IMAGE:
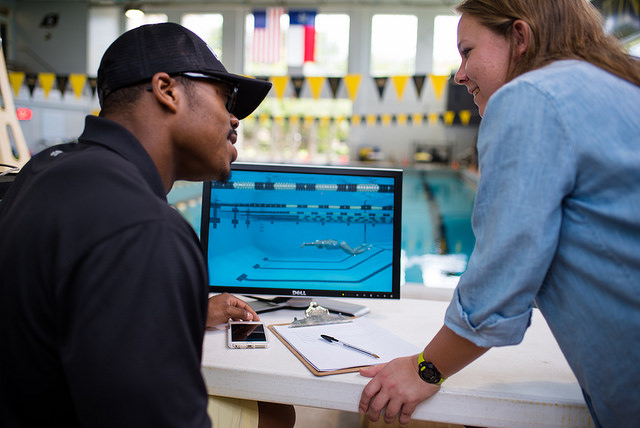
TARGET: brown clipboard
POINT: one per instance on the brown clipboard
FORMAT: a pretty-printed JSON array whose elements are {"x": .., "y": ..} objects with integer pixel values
[{"x": 305, "y": 362}]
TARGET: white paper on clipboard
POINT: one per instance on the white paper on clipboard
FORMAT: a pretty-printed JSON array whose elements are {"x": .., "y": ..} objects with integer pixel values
[{"x": 365, "y": 334}]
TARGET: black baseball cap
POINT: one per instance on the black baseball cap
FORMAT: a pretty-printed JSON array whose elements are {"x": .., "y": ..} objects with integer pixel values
[{"x": 138, "y": 54}]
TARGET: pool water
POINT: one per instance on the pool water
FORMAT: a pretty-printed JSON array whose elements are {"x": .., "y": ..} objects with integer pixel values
[{"x": 437, "y": 238}]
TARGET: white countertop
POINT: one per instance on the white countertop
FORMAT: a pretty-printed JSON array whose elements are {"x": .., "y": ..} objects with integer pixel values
[{"x": 528, "y": 385}]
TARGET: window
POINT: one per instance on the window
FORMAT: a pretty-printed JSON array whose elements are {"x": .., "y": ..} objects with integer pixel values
[
  {"x": 103, "y": 29},
  {"x": 393, "y": 45},
  {"x": 296, "y": 130},
  {"x": 145, "y": 18},
  {"x": 446, "y": 58},
  {"x": 632, "y": 44},
  {"x": 634, "y": 49},
  {"x": 266, "y": 47},
  {"x": 208, "y": 27},
  {"x": 332, "y": 46}
]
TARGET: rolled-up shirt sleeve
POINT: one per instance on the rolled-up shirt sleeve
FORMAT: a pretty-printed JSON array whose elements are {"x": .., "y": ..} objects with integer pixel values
[{"x": 527, "y": 168}]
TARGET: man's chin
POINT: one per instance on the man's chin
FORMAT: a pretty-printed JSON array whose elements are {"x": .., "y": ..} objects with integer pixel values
[{"x": 224, "y": 176}]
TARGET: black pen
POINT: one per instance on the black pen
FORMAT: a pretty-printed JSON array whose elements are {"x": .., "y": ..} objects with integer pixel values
[{"x": 355, "y": 348}]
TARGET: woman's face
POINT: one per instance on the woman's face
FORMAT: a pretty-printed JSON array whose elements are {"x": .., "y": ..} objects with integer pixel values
[{"x": 485, "y": 60}]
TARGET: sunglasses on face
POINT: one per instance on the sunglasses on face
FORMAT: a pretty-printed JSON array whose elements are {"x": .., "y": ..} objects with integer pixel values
[{"x": 232, "y": 97}]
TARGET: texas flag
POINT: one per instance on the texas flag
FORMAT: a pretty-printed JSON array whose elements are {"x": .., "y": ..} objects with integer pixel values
[{"x": 301, "y": 39}]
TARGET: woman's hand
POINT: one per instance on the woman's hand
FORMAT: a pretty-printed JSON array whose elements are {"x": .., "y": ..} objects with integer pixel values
[{"x": 396, "y": 389}]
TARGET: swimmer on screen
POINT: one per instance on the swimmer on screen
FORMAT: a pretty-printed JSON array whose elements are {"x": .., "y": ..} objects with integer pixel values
[{"x": 332, "y": 244}]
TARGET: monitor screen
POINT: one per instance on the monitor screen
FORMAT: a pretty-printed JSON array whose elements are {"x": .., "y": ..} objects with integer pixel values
[{"x": 293, "y": 230}]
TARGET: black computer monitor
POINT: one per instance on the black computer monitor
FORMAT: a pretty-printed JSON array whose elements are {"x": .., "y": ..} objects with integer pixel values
[{"x": 289, "y": 234}]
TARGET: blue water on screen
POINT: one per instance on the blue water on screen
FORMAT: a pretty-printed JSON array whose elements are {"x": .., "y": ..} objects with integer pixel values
[{"x": 436, "y": 221}]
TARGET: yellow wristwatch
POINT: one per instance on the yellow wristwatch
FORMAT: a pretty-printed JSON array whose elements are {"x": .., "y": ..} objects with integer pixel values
[{"x": 428, "y": 372}]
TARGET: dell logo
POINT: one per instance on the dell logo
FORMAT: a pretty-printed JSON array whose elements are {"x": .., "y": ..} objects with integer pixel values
[{"x": 298, "y": 292}]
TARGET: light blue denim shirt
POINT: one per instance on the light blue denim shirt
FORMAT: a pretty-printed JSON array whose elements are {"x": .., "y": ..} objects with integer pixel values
[{"x": 557, "y": 220}]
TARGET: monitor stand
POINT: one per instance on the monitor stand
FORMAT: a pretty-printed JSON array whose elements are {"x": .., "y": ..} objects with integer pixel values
[{"x": 262, "y": 305}]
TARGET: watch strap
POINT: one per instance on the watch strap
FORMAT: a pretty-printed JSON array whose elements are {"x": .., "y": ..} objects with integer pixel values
[{"x": 421, "y": 362}]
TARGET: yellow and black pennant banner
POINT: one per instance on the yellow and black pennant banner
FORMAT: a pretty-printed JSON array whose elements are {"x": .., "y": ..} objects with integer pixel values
[
  {"x": 387, "y": 119},
  {"x": 352, "y": 85},
  {"x": 46, "y": 81},
  {"x": 317, "y": 86}
]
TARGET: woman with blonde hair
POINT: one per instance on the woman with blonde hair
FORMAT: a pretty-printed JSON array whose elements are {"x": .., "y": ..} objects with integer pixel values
[{"x": 556, "y": 213}]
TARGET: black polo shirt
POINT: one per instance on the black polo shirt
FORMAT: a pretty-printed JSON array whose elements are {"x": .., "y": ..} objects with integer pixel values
[{"x": 103, "y": 293}]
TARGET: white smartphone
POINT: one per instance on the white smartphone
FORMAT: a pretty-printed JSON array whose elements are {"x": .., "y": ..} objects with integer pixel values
[{"x": 247, "y": 335}]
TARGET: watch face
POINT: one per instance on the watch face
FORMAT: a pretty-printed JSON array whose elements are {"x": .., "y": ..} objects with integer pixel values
[{"x": 429, "y": 373}]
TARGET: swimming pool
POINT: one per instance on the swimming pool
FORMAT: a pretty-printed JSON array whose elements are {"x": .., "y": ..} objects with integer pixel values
[{"x": 437, "y": 238}]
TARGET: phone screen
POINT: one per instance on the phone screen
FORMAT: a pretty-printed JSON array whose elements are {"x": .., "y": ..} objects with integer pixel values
[{"x": 248, "y": 333}]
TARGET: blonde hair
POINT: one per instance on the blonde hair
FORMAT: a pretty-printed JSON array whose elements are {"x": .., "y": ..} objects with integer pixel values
[{"x": 560, "y": 29}]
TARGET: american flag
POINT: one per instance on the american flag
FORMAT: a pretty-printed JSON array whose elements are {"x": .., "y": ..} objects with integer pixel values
[{"x": 267, "y": 35}]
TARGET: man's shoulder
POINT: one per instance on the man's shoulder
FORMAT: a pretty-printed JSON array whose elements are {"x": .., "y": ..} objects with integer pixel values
[
  {"x": 78, "y": 158},
  {"x": 89, "y": 182}
]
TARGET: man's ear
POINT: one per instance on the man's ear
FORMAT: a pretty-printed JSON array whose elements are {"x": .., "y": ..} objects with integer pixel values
[
  {"x": 521, "y": 37},
  {"x": 163, "y": 88}
]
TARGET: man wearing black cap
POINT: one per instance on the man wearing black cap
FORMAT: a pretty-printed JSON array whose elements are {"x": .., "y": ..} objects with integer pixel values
[{"x": 103, "y": 297}]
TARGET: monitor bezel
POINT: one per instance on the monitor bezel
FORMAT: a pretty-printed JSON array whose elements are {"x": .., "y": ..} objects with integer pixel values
[{"x": 395, "y": 174}]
